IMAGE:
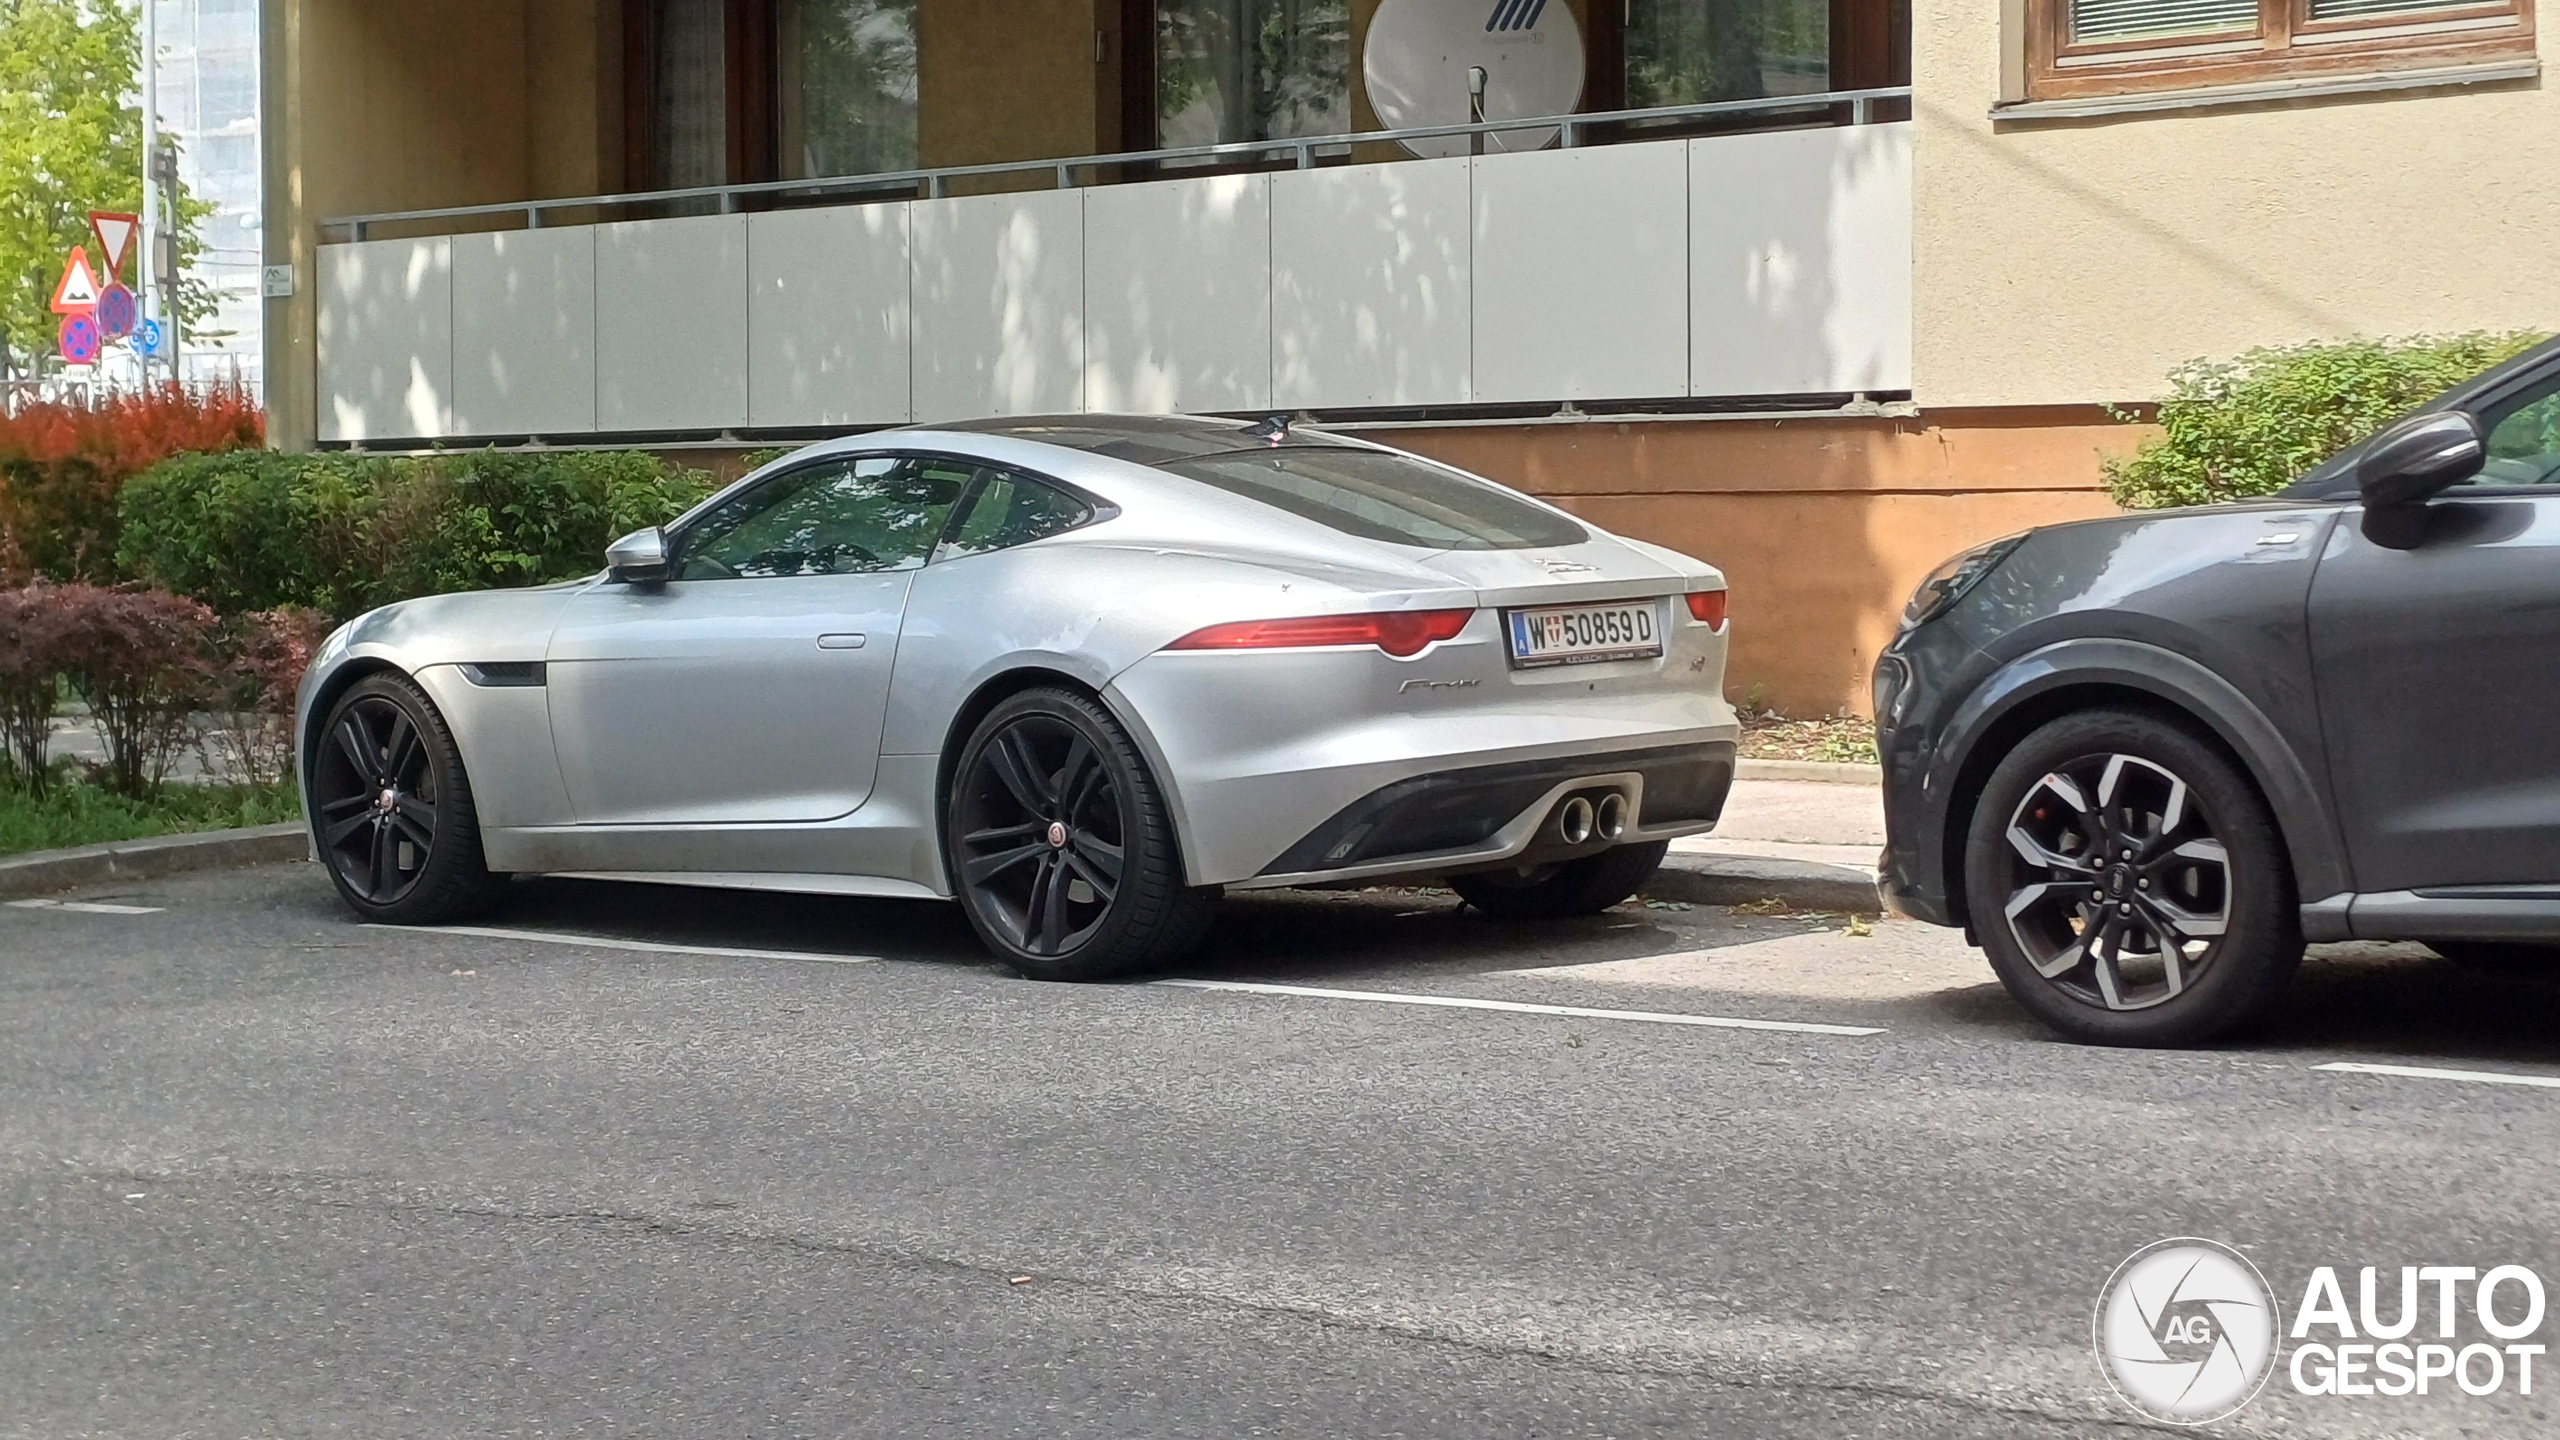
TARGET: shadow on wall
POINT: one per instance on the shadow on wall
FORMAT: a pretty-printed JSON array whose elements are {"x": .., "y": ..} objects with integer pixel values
[{"x": 1822, "y": 526}]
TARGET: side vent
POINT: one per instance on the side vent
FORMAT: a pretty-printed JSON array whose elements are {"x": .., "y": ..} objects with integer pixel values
[{"x": 502, "y": 674}]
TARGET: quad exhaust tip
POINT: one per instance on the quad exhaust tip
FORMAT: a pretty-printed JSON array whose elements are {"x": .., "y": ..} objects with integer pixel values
[
  {"x": 1612, "y": 817},
  {"x": 1574, "y": 820}
]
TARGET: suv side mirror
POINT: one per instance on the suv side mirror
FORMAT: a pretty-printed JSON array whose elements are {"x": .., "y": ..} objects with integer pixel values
[
  {"x": 2419, "y": 457},
  {"x": 639, "y": 558}
]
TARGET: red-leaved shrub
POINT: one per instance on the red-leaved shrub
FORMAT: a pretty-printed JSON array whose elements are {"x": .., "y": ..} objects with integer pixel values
[
  {"x": 138, "y": 658},
  {"x": 258, "y": 663},
  {"x": 32, "y": 621},
  {"x": 62, "y": 466}
]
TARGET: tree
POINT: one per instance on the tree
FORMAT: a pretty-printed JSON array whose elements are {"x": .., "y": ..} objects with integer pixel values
[{"x": 70, "y": 143}]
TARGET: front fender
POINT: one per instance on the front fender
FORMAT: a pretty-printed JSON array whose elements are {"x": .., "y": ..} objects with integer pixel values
[{"x": 2301, "y": 805}]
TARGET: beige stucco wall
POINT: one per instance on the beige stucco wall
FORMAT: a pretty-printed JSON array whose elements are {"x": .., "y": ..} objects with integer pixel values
[
  {"x": 2077, "y": 262},
  {"x": 372, "y": 106}
]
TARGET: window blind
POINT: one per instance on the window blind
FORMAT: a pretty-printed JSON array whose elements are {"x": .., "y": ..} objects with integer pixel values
[
  {"x": 2141, "y": 19},
  {"x": 2360, "y": 9}
]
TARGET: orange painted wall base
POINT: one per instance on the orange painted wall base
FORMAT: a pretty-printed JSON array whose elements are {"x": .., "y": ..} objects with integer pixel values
[{"x": 1821, "y": 525}]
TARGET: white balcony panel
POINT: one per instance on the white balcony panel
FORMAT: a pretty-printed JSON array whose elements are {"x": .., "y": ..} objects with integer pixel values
[
  {"x": 671, "y": 324},
  {"x": 999, "y": 304},
  {"x": 1370, "y": 286},
  {"x": 1177, "y": 294},
  {"x": 386, "y": 340},
  {"x": 1581, "y": 273},
  {"x": 524, "y": 332},
  {"x": 1800, "y": 262},
  {"x": 827, "y": 316}
]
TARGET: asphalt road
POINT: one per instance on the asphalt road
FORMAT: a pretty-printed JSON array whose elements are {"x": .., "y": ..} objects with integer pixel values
[{"x": 264, "y": 1172}]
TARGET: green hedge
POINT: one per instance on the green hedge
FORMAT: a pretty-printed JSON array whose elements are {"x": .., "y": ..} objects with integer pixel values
[
  {"x": 254, "y": 530},
  {"x": 2251, "y": 426}
]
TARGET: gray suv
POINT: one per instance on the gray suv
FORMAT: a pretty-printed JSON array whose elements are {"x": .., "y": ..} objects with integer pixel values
[{"x": 2142, "y": 760}]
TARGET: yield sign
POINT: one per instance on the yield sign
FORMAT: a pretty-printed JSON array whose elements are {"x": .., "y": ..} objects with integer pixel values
[
  {"x": 115, "y": 231},
  {"x": 79, "y": 288}
]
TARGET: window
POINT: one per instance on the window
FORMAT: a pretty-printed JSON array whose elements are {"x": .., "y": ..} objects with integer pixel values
[
  {"x": 1378, "y": 496},
  {"x": 836, "y": 517},
  {"x": 2524, "y": 441},
  {"x": 847, "y": 87},
  {"x": 2081, "y": 48},
  {"x": 1233, "y": 70},
  {"x": 1691, "y": 52},
  {"x": 1011, "y": 510}
]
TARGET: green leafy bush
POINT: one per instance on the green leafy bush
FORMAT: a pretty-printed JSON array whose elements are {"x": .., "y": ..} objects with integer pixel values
[
  {"x": 255, "y": 530},
  {"x": 2251, "y": 426}
]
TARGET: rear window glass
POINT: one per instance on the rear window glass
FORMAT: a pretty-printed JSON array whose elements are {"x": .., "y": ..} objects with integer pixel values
[{"x": 1380, "y": 496}]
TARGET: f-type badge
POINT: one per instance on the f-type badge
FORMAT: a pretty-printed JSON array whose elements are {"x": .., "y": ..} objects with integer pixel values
[{"x": 1437, "y": 685}]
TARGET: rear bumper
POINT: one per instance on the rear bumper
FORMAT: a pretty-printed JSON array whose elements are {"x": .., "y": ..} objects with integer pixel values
[
  {"x": 1259, "y": 752},
  {"x": 1487, "y": 814}
]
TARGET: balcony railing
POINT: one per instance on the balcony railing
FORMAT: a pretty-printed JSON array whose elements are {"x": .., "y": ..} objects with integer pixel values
[
  {"x": 933, "y": 183},
  {"x": 1667, "y": 260}
]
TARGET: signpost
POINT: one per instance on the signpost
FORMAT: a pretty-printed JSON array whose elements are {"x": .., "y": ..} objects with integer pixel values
[
  {"x": 78, "y": 337},
  {"x": 115, "y": 231},
  {"x": 116, "y": 312},
  {"x": 79, "y": 288}
]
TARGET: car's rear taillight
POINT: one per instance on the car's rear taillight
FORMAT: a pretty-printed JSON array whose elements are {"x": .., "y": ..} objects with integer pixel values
[
  {"x": 1707, "y": 607},
  {"x": 1398, "y": 632}
]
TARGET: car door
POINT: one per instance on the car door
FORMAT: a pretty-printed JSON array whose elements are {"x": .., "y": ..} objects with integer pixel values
[
  {"x": 2436, "y": 649},
  {"x": 750, "y": 686}
]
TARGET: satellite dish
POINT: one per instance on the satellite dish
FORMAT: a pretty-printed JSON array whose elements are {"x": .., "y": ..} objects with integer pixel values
[{"x": 1419, "y": 53}]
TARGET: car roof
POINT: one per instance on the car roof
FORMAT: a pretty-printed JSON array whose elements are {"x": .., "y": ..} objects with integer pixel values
[{"x": 1151, "y": 440}]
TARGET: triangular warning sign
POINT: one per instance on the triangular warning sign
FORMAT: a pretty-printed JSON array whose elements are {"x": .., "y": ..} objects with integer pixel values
[
  {"x": 79, "y": 287},
  {"x": 115, "y": 231}
]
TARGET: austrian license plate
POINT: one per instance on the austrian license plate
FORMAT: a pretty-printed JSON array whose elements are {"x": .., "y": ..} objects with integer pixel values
[{"x": 1585, "y": 634}]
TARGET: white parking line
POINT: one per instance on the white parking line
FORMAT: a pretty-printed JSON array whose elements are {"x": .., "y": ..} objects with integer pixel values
[
  {"x": 1515, "y": 1007},
  {"x": 2425, "y": 1072},
  {"x": 87, "y": 907},
  {"x": 600, "y": 942}
]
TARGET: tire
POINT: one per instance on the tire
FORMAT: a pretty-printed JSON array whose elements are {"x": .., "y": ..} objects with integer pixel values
[
  {"x": 391, "y": 808},
  {"x": 2500, "y": 957},
  {"x": 1050, "y": 801},
  {"x": 1576, "y": 887},
  {"x": 2204, "y": 932}
]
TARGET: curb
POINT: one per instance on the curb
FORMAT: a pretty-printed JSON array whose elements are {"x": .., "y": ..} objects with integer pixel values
[
  {"x": 1820, "y": 772},
  {"x": 1741, "y": 880},
  {"x": 40, "y": 871}
]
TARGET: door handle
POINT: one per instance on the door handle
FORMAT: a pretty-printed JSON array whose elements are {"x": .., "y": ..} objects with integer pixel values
[{"x": 839, "y": 642}]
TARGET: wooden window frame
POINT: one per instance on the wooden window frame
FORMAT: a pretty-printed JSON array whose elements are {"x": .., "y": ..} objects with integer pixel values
[{"x": 2287, "y": 44}]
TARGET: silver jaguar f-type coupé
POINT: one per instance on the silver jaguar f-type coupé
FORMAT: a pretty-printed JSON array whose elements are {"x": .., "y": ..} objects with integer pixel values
[{"x": 1080, "y": 673}]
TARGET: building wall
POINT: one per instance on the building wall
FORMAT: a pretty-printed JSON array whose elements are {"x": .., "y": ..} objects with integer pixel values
[
  {"x": 2076, "y": 262},
  {"x": 373, "y": 107},
  {"x": 1010, "y": 80},
  {"x": 1821, "y": 525}
]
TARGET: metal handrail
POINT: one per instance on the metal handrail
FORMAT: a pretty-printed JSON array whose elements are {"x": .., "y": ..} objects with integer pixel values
[{"x": 936, "y": 181}]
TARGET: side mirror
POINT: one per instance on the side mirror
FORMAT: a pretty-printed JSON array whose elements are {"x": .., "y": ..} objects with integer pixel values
[
  {"x": 2419, "y": 457},
  {"x": 639, "y": 558}
]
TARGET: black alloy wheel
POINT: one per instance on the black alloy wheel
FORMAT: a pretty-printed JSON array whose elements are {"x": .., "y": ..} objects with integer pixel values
[
  {"x": 392, "y": 809},
  {"x": 2129, "y": 884},
  {"x": 1062, "y": 853}
]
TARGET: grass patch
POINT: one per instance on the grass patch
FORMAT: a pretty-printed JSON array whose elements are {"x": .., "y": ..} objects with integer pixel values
[{"x": 79, "y": 814}]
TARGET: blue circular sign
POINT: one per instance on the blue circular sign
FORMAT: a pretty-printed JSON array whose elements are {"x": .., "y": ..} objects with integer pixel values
[
  {"x": 116, "y": 312},
  {"x": 79, "y": 338},
  {"x": 146, "y": 337}
]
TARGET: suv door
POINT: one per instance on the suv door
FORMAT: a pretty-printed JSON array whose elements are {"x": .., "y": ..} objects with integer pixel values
[
  {"x": 751, "y": 685},
  {"x": 2438, "y": 667}
]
